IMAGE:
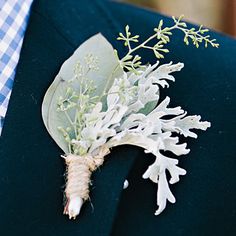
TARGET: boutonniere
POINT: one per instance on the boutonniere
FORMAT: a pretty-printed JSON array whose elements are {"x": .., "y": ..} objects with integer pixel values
[{"x": 99, "y": 101}]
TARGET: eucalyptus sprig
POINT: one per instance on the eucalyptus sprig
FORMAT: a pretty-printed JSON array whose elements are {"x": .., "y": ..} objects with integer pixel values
[
  {"x": 78, "y": 102},
  {"x": 132, "y": 61}
]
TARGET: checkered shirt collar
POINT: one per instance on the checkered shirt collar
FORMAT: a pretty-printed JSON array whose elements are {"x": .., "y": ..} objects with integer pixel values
[{"x": 13, "y": 21}]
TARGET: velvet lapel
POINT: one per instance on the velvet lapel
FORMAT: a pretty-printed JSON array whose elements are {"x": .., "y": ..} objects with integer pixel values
[{"x": 31, "y": 168}]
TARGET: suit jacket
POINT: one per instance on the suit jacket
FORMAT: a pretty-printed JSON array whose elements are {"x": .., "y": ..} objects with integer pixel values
[{"x": 31, "y": 170}]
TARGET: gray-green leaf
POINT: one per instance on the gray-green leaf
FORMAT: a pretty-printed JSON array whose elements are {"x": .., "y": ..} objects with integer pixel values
[{"x": 109, "y": 69}]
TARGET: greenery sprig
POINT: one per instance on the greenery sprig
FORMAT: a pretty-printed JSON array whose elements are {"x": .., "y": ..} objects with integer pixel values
[{"x": 132, "y": 61}]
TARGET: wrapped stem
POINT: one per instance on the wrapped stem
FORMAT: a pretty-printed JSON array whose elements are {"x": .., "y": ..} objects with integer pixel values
[{"x": 79, "y": 170}]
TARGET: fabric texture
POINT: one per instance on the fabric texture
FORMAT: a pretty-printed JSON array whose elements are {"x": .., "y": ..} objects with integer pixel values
[
  {"x": 13, "y": 21},
  {"x": 32, "y": 171}
]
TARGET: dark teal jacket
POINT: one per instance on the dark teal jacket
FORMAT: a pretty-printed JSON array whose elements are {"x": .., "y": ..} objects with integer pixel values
[{"x": 31, "y": 170}]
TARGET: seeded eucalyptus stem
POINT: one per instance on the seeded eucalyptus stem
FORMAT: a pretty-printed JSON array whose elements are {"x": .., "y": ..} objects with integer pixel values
[{"x": 132, "y": 62}]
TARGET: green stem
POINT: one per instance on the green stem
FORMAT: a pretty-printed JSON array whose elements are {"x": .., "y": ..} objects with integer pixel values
[
  {"x": 73, "y": 124},
  {"x": 138, "y": 47}
]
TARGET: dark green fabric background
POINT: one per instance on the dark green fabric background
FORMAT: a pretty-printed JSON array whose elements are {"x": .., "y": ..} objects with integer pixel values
[{"x": 31, "y": 170}]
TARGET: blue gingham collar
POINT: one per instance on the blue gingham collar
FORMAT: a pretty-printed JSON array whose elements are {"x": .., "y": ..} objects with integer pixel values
[{"x": 13, "y": 21}]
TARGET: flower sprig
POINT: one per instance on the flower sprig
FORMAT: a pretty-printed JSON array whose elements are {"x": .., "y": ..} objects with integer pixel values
[{"x": 132, "y": 61}]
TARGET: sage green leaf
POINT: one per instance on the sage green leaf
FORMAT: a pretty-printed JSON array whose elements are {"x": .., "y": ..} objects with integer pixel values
[{"x": 109, "y": 69}]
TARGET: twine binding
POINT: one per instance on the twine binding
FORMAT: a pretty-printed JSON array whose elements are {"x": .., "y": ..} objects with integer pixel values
[{"x": 79, "y": 170}]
